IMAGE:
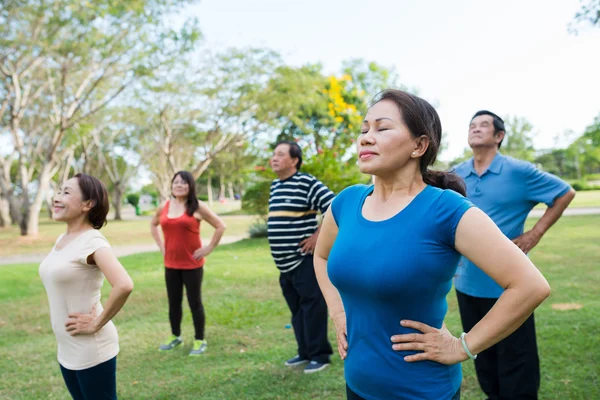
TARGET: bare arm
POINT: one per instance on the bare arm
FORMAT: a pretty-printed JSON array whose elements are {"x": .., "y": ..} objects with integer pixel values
[
  {"x": 326, "y": 238},
  {"x": 154, "y": 231},
  {"x": 205, "y": 213},
  {"x": 530, "y": 239},
  {"x": 480, "y": 240},
  {"x": 122, "y": 286}
]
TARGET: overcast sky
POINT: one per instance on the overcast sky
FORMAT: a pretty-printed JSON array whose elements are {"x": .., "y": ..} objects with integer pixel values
[{"x": 511, "y": 56}]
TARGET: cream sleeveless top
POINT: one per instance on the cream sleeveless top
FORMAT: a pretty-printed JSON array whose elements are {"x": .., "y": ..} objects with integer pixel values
[{"x": 73, "y": 286}]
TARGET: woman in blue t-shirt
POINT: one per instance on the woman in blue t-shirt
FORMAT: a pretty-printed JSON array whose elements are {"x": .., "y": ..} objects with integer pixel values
[{"x": 387, "y": 253}]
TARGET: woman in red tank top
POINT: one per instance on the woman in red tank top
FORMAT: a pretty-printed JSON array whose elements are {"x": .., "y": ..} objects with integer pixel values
[{"x": 184, "y": 255}]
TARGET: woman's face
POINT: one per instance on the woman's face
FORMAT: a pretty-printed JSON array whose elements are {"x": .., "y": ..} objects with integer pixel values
[
  {"x": 385, "y": 143},
  {"x": 68, "y": 202},
  {"x": 180, "y": 187}
]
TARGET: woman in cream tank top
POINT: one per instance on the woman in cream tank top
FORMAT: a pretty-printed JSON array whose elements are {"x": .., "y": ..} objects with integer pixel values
[{"x": 73, "y": 274}]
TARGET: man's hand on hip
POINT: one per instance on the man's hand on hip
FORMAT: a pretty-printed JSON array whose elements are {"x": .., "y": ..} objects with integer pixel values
[
  {"x": 308, "y": 245},
  {"x": 527, "y": 241}
]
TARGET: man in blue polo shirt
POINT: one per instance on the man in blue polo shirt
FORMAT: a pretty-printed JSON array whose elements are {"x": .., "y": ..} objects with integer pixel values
[{"x": 506, "y": 189}]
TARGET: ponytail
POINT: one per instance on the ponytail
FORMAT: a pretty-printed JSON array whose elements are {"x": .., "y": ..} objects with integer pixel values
[{"x": 445, "y": 180}]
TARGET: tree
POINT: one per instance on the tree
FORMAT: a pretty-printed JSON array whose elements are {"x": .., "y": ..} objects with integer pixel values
[
  {"x": 518, "y": 141},
  {"x": 63, "y": 61},
  {"x": 195, "y": 116},
  {"x": 588, "y": 13}
]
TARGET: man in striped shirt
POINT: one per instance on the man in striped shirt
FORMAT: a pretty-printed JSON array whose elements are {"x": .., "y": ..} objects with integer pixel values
[{"x": 294, "y": 201}]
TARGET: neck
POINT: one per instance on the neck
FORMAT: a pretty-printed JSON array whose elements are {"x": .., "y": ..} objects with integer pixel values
[
  {"x": 405, "y": 182},
  {"x": 483, "y": 157},
  {"x": 79, "y": 225},
  {"x": 283, "y": 175},
  {"x": 180, "y": 200}
]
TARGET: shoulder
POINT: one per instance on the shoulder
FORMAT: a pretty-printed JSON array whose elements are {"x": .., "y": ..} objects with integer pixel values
[
  {"x": 351, "y": 192},
  {"x": 463, "y": 168},
  {"x": 516, "y": 165},
  {"x": 304, "y": 177},
  {"x": 162, "y": 205},
  {"x": 95, "y": 238},
  {"x": 447, "y": 200}
]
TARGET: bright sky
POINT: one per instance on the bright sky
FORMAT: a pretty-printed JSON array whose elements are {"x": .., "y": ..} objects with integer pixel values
[{"x": 509, "y": 56}]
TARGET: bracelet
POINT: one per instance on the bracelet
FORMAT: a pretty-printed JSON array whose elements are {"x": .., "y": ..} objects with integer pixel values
[{"x": 464, "y": 343}]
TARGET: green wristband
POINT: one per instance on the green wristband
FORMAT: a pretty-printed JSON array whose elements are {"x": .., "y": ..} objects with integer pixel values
[{"x": 464, "y": 343}]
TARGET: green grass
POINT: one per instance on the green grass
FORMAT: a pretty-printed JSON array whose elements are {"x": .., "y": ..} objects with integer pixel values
[
  {"x": 246, "y": 318},
  {"x": 118, "y": 233},
  {"x": 585, "y": 198}
]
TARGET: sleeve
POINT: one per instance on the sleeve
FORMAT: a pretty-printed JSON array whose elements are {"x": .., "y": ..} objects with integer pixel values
[
  {"x": 450, "y": 209},
  {"x": 320, "y": 196},
  {"x": 96, "y": 242},
  {"x": 543, "y": 187}
]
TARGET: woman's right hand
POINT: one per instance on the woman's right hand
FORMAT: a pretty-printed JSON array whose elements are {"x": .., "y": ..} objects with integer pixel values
[{"x": 340, "y": 331}]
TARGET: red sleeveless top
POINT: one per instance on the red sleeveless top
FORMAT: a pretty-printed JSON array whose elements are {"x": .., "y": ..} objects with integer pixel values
[{"x": 182, "y": 238}]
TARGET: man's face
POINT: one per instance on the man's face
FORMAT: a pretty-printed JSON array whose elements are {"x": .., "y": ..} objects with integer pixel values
[
  {"x": 281, "y": 160},
  {"x": 481, "y": 132}
]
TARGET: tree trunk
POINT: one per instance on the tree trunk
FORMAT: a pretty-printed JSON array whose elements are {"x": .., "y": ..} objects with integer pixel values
[
  {"x": 5, "y": 219},
  {"x": 222, "y": 191},
  {"x": 231, "y": 194},
  {"x": 15, "y": 210},
  {"x": 31, "y": 211},
  {"x": 118, "y": 201},
  {"x": 49, "y": 202},
  {"x": 209, "y": 189}
]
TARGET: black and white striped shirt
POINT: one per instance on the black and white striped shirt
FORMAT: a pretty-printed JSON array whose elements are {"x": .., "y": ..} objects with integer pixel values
[{"x": 293, "y": 207}]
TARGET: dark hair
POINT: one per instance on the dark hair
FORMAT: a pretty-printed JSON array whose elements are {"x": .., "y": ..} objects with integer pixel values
[
  {"x": 94, "y": 190},
  {"x": 421, "y": 119},
  {"x": 498, "y": 122},
  {"x": 191, "y": 204},
  {"x": 295, "y": 151}
]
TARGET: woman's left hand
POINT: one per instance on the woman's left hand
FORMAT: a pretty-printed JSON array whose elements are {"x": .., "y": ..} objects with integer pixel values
[
  {"x": 82, "y": 324},
  {"x": 201, "y": 252},
  {"x": 434, "y": 344}
]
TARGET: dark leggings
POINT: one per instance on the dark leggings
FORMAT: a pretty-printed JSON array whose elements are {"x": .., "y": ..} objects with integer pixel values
[
  {"x": 192, "y": 279},
  {"x": 350, "y": 395},
  {"x": 95, "y": 383}
]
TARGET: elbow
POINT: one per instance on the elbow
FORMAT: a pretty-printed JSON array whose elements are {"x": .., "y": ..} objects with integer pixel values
[
  {"x": 223, "y": 227},
  {"x": 126, "y": 287},
  {"x": 541, "y": 291}
]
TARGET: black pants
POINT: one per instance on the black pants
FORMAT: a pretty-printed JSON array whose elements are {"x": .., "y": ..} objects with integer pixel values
[
  {"x": 309, "y": 311},
  {"x": 511, "y": 368},
  {"x": 192, "y": 279},
  {"x": 95, "y": 383},
  {"x": 350, "y": 395}
]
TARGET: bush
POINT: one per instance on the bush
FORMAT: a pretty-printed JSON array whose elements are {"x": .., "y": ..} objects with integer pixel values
[
  {"x": 580, "y": 186},
  {"x": 259, "y": 229},
  {"x": 203, "y": 197},
  {"x": 256, "y": 198},
  {"x": 133, "y": 199}
]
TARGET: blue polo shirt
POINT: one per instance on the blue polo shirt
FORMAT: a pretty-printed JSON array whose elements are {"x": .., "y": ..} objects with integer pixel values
[{"x": 506, "y": 192}]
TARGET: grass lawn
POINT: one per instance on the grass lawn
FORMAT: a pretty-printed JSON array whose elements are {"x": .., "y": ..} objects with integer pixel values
[
  {"x": 248, "y": 342},
  {"x": 118, "y": 233},
  {"x": 585, "y": 198}
]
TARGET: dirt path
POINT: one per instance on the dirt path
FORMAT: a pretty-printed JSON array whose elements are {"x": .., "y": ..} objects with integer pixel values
[{"x": 120, "y": 251}]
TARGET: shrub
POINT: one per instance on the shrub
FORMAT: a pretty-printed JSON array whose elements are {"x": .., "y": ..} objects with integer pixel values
[
  {"x": 258, "y": 229},
  {"x": 133, "y": 199},
  {"x": 256, "y": 198}
]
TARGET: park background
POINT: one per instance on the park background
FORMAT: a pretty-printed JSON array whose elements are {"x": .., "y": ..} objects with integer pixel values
[{"x": 132, "y": 92}]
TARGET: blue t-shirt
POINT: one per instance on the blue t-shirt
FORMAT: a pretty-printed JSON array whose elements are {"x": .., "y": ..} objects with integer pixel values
[
  {"x": 386, "y": 271},
  {"x": 506, "y": 192}
]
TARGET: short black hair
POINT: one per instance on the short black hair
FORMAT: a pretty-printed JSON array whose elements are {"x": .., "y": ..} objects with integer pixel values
[
  {"x": 94, "y": 190},
  {"x": 295, "y": 151},
  {"x": 498, "y": 122}
]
